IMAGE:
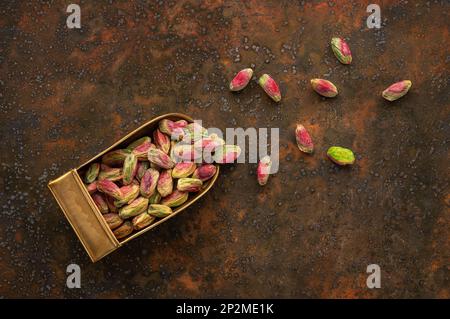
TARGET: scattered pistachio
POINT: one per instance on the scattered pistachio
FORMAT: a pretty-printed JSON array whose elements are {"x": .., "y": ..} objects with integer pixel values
[
  {"x": 270, "y": 87},
  {"x": 241, "y": 79},
  {"x": 341, "y": 155},
  {"x": 397, "y": 90},
  {"x": 304, "y": 141},
  {"x": 263, "y": 170},
  {"x": 324, "y": 87},
  {"x": 341, "y": 50}
]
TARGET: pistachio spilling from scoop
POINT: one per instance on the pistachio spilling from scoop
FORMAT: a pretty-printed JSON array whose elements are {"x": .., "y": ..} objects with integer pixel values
[{"x": 140, "y": 184}]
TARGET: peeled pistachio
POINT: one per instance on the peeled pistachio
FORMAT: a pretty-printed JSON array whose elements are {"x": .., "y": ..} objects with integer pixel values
[
  {"x": 187, "y": 184},
  {"x": 136, "y": 207},
  {"x": 124, "y": 230},
  {"x": 183, "y": 169},
  {"x": 113, "y": 220},
  {"x": 141, "y": 221},
  {"x": 159, "y": 211},
  {"x": 165, "y": 183},
  {"x": 177, "y": 198},
  {"x": 92, "y": 173}
]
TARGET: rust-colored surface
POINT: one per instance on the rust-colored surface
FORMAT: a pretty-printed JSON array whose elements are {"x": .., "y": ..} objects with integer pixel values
[{"x": 67, "y": 94}]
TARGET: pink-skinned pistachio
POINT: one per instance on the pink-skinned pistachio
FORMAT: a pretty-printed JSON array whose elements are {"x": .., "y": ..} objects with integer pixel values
[
  {"x": 109, "y": 188},
  {"x": 187, "y": 184},
  {"x": 162, "y": 141},
  {"x": 155, "y": 198},
  {"x": 186, "y": 152},
  {"x": 110, "y": 173},
  {"x": 92, "y": 187},
  {"x": 100, "y": 202},
  {"x": 129, "y": 194},
  {"x": 129, "y": 169},
  {"x": 111, "y": 206},
  {"x": 178, "y": 134},
  {"x": 263, "y": 170},
  {"x": 270, "y": 87},
  {"x": 183, "y": 169},
  {"x": 115, "y": 158},
  {"x": 196, "y": 129},
  {"x": 175, "y": 199},
  {"x": 92, "y": 173},
  {"x": 209, "y": 143},
  {"x": 193, "y": 132},
  {"x": 113, "y": 220},
  {"x": 304, "y": 141},
  {"x": 227, "y": 154},
  {"x": 158, "y": 157},
  {"x": 123, "y": 230},
  {"x": 138, "y": 142},
  {"x": 165, "y": 183},
  {"x": 324, "y": 87},
  {"x": 171, "y": 152},
  {"x": 180, "y": 124},
  {"x": 173, "y": 129},
  {"x": 241, "y": 79},
  {"x": 149, "y": 182},
  {"x": 204, "y": 172},
  {"x": 397, "y": 90},
  {"x": 341, "y": 50},
  {"x": 159, "y": 211},
  {"x": 141, "y": 151},
  {"x": 141, "y": 221},
  {"x": 341, "y": 155},
  {"x": 142, "y": 167},
  {"x": 166, "y": 126},
  {"x": 136, "y": 207}
]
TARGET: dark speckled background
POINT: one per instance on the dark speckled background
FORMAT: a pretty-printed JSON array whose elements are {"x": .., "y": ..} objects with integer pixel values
[{"x": 66, "y": 95}]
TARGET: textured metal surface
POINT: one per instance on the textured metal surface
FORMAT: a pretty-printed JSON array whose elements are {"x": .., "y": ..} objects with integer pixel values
[{"x": 67, "y": 94}]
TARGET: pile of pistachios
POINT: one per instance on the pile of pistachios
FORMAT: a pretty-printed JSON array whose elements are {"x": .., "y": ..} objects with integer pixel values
[{"x": 135, "y": 186}]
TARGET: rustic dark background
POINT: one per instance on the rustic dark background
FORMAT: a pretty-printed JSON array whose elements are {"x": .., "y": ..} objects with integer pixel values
[{"x": 66, "y": 95}]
